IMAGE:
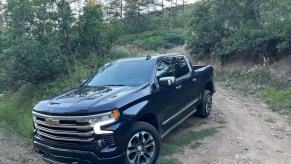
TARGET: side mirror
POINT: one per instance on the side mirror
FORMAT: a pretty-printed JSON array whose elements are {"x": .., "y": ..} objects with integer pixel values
[{"x": 166, "y": 81}]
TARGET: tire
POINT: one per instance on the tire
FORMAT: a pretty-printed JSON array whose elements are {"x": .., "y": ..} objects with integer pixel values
[
  {"x": 143, "y": 143},
  {"x": 204, "y": 108}
]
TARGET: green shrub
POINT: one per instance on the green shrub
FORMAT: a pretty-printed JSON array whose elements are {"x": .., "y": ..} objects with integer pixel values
[
  {"x": 16, "y": 107},
  {"x": 153, "y": 40},
  {"x": 240, "y": 27}
]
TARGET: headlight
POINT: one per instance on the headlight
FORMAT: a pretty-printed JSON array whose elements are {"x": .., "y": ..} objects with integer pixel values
[{"x": 103, "y": 119}]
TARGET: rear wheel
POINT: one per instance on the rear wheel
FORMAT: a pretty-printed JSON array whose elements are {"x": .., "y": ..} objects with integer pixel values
[
  {"x": 143, "y": 144},
  {"x": 204, "y": 108}
]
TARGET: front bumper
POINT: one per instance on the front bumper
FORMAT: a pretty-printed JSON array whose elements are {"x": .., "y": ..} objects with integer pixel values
[
  {"x": 60, "y": 156},
  {"x": 66, "y": 152}
]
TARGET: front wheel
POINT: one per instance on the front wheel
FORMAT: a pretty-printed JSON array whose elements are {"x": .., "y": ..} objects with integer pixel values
[
  {"x": 143, "y": 144},
  {"x": 204, "y": 109}
]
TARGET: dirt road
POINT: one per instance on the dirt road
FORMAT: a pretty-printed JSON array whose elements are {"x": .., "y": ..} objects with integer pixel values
[
  {"x": 14, "y": 149},
  {"x": 248, "y": 133}
]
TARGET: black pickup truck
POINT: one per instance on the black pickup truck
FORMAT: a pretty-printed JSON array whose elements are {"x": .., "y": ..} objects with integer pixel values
[{"x": 121, "y": 113}]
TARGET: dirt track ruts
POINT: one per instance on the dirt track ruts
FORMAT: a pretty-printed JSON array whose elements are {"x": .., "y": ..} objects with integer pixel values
[{"x": 250, "y": 133}]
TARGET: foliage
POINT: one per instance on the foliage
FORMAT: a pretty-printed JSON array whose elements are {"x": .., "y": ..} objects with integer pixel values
[
  {"x": 94, "y": 35},
  {"x": 16, "y": 107},
  {"x": 226, "y": 28},
  {"x": 153, "y": 40},
  {"x": 43, "y": 40},
  {"x": 32, "y": 50},
  {"x": 134, "y": 19}
]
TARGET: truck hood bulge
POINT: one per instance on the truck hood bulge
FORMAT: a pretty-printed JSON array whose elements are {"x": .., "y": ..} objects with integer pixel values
[{"x": 85, "y": 100}]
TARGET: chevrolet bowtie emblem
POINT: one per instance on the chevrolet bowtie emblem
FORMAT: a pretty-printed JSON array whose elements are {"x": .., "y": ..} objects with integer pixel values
[{"x": 51, "y": 121}]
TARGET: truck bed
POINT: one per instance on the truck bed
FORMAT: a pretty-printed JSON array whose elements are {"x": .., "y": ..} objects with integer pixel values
[{"x": 204, "y": 74}]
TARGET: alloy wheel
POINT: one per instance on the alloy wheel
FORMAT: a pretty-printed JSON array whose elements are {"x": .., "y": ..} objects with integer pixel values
[
  {"x": 141, "y": 148},
  {"x": 208, "y": 103}
]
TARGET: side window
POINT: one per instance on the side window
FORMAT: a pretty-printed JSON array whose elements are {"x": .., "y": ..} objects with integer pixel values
[
  {"x": 164, "y": 68},
  {"x": 181, "y": 66}
]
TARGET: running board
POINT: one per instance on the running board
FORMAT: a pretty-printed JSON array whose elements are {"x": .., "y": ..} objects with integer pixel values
[{"x": 177, "y": 124}]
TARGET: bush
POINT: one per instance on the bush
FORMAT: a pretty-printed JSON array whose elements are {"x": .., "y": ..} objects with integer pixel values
[
  {"x": 228, "y": 28},
  {"x": 16, "y": 107},
  {"x": 153, "y": 40}
]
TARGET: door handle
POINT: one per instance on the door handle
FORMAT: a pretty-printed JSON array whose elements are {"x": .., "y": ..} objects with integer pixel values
[
  {"x": 178, "y": 87},
  {"x": 194, "y": 79}
]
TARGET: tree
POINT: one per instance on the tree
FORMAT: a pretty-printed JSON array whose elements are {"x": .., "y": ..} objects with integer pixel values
[
  {"x": 114, "y": 9},
  {"x": 171, "y": 14},
  {"x": 95, "y": 35},
  {"x": 228, "y": 28},
  {"x": 135, "y": 21},
  {"x": 183, "y": 12},
  {"x": 163, "y": 16},
  {"x": 65, "y": 21},
  {"x": 32, "y": 50}
]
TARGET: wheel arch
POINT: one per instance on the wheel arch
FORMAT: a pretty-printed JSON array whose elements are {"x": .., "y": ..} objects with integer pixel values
[
  {"x": 151, "y": 119},
  {"x": 209, "y": 86}
]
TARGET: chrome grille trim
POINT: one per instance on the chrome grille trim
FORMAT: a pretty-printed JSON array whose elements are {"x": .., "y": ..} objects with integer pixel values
[
  {"x": 69, "y": 128},
  {"x": 64, "y": 138},
  {"x": 81, "y": 134}
]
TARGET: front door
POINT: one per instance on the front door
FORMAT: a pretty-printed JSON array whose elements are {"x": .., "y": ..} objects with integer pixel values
[{"x": 165, "y": 97}]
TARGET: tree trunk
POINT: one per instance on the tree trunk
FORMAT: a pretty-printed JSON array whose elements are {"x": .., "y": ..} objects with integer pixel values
[
  {"x": 171, "y": 17},
  {"x": 121, "y": 8},
  {"x": 163, "y": 18},
  {"x": 176, "y": 12},
  {"x": 183, "y": 14}
]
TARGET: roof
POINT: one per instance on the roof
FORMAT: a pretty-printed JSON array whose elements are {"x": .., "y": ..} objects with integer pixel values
[{"x": 152, "y": 57}]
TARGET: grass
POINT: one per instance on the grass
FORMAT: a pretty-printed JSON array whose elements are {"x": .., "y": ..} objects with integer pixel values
[
  {"x": 277, "y": 99},
  {"x": 271, "y": 120},
  {"x": 259, "y": 82},
  {"x": 169, "y": 161},
  {"x": 171, "y": 146},
  {"x": 195, "y": 145}
]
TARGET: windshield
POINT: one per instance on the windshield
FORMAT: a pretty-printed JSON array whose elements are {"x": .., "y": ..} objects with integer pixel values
[{"x": 128, "y": 73}]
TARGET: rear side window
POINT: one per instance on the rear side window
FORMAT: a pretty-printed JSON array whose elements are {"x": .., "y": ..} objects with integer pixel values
[
  {"x": 181, "y": 66},
  {"x": 164, "y": 68}
]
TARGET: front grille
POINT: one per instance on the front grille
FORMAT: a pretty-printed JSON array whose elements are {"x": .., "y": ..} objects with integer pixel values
[{"x": 69, "y": 129}]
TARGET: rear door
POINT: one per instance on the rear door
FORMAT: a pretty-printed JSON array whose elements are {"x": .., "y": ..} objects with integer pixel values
[{"x": 186, "y": 84}]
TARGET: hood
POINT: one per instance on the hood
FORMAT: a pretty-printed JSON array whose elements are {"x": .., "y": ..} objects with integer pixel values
[{"x": 84, "y": 100}]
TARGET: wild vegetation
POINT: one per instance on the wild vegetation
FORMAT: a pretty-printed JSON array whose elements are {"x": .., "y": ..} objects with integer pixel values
[
  {"x": 46, "y": 47},
  {"x": 223, "y": 28}
]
